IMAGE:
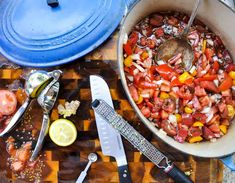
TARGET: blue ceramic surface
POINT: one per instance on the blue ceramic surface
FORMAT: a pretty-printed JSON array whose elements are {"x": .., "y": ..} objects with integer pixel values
[{"x": 37, "y": 35}]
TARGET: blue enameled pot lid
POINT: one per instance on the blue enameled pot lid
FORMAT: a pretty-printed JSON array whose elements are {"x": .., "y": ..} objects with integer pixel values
[{"x": 37, "y": 34}]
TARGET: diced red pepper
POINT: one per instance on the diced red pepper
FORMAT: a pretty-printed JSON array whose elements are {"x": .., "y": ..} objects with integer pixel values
[
  {"x": 216, "y": 66},
  {"x": 165, "y": 71},
  {"x": 127, "y": 48},
  {"x": 209, "y": 85},
  {"x": 227, "y": 83},
  {"x": 176, "y": 82},
  {"x": 133, "y": 38},
  {"x": 206, "y": 78},
  {"x": 209, "y": 53}
]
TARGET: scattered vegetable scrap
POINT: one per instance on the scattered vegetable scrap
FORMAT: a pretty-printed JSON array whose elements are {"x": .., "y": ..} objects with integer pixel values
[{"x": 69, "y": 109}]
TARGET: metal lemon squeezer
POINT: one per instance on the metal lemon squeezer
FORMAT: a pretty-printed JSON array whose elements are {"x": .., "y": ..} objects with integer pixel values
[{"x": 45, "y": 87}]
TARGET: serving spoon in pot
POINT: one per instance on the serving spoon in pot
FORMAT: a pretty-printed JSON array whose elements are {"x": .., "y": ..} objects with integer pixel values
[
  {"x": 180, "y": 44},
  {"x": 36, "y": 81}
]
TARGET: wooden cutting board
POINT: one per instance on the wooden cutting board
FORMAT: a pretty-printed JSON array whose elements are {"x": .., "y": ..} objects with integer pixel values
[{"x": 64, "y": 164}]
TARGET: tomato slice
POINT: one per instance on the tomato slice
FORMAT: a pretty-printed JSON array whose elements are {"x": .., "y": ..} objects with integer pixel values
[
  {"x": 8, "y": 102},
  {"x": 227, "y": 83}
]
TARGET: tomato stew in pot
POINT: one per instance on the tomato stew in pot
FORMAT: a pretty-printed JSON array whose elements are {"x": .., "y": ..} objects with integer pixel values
[{"x": 192, "y": 106}]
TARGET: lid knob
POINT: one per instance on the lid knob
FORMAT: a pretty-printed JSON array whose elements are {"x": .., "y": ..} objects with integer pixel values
[{"x": 53, "y": 3}]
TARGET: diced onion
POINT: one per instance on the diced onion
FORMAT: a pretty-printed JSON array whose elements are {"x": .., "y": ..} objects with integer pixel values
[
  {"x": 206, "y": 110},
  {"x": 193, "y": 68},
  {"x": 125, "y": 38},
  {"x": 216, "y": 82},
  {"x": 175, "y": 89},
  {"x": 159, "y": 82},
  {"x": 209, "y": 116},
  {"x": 160, "y": 62},
  {"x": 163, "y": 132},
  {"x": 141, "y": 69},
  {"x": 135, "y": 57},
  {"x": 130, "y": 78},
  {"x": 145, "y": 95},
  {"x": 172, "y": 119}
]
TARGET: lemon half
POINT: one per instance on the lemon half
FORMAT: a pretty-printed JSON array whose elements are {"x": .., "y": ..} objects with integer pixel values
[{"x": 63, "y": 132}]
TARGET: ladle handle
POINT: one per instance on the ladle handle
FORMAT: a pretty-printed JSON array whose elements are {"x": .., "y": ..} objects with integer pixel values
[
  {"x": 16, "y": 118},
  {"x": 41, "y": 137},
  {"x": 192, "y": 17}
]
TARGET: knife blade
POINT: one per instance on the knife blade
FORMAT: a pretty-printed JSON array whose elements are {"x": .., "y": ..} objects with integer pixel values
[
  {"x": 110, "y": 139},
  {"x": 138, "y": 141}
]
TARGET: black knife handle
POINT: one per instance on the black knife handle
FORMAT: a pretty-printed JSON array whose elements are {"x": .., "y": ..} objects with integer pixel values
[
  {"x": 178, "y": 175},
  {"x": 124, "y": 174}
]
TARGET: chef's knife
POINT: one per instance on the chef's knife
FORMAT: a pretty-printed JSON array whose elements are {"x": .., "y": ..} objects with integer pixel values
[
  {"x": 138, "y": 141},
  {"x": 110, "y": 139}
]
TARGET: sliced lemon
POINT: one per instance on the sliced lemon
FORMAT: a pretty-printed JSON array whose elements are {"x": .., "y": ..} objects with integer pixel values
[{"x": 63, "y": 132}]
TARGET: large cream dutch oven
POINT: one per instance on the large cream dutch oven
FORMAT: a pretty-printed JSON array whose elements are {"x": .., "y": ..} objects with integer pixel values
[{"x": 221, "y": 20}]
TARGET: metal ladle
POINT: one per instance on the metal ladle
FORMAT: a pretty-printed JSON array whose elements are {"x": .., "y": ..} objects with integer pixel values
[
  {"x": 36, "y": 81},
  {"x": 180, "y": 44},
  {"x": 46, "y": 100}
]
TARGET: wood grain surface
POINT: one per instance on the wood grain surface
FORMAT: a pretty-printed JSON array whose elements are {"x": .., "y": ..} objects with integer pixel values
[{"x": 64, "y": 164}]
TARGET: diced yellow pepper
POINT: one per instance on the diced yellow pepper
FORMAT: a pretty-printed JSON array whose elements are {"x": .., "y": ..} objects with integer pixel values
[
  {"x": 183, "y": 77},
  {"x": 128, "y": 61},
  {"x": 178, "y": 117},
  {"x": 233, "y": 82},
  {"x": 144, "y": 55},
  {"x": 140, "y": 100},
  {"x": 188, "y": 110},
  {"x": 164, "y": 95},
  {"x": 204, "y": 46},
  {"x": 194, "y": 73},
  {"x": 231, "y": 111},
  {"x": 223, "y": 128},
  {"x": 198, "y": 123},
  {"x": 232, "y": 74},
  {"x": 195, "y": 139}
]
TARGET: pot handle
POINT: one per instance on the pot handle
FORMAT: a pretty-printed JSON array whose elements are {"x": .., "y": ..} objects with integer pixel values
[
  {"x": 228, "y": 161},
  {"x": 130, "y": 3},
  {"x": 229, "y": 3}
]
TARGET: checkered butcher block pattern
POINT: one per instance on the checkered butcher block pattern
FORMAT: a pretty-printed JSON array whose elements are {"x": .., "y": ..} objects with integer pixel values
[{"x": 64, "y": 164}]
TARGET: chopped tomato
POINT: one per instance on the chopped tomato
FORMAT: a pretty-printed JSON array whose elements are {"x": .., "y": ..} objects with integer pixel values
[
  {"x": 146, "y": 112},
  {"x": 8, "y": 102},
  {"x": 209, "y": 85},
  {"x": 159, "y": 32},
  {"x": 199, "y": 91},
  {"x": 181, "y": 135},
  {"x": 227, "y": 83},
  {"x": 230, "y": 67},
  {"x": 200, "y": 117},
  {"x": 133, "y": 38},
  {"x": 188, "y": 121},
  {"x": 185, "y": 93},
  {"x": 207, "y": 133},
  {"x": 127, "y": 48},
  {"x": 133, "y": 92},
  {"x": 195, "y": 131},
  {"x": 168, "y": 128},
  {"x": 214, "y": 128}
]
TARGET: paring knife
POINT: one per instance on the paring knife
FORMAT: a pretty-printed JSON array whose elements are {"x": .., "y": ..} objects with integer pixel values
[
  {"x": 138, "y": 141},
  {"x": 110, "y": 139}
]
